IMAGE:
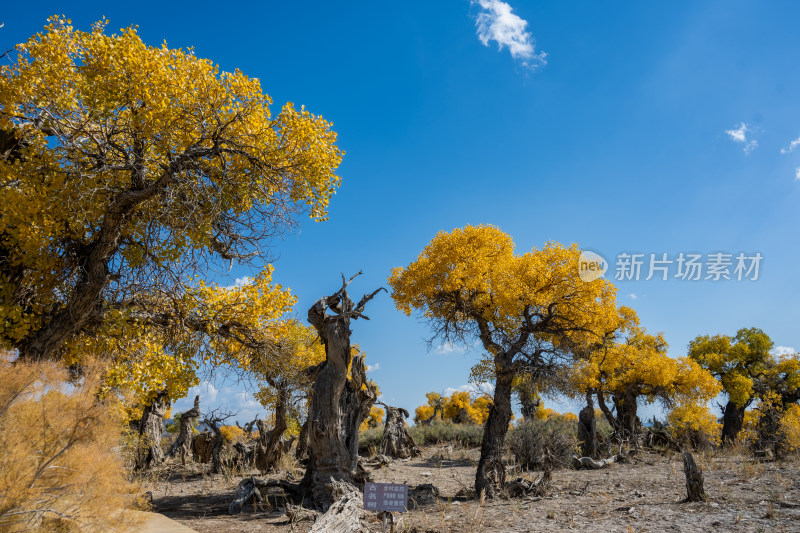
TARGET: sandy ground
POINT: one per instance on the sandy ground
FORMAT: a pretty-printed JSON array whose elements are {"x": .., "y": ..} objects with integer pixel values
[{"x": 642, "y": 495}]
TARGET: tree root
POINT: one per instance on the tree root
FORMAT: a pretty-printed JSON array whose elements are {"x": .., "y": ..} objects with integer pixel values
[
  {"x": 588, "y": 462},
  {"x": 524, "y": 487},
  {"x": 254, "y": 489},
  {"x": 346, "y": 513}
]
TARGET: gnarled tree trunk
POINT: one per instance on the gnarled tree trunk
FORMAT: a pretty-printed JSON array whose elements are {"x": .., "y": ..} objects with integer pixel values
[
  {"x": 338, "y": 404},
  {"x": 627, "y": 418},
  {"x": 151, "y": 429},
  {"x": 397, "y": 442},
  {"x": 732, "y": 422},
  {"x": 183, "y": 444},
  {"x": 302, "y": 442},
  {"x": 491, "y": 476},
  {"x": 269, "y": 448}
]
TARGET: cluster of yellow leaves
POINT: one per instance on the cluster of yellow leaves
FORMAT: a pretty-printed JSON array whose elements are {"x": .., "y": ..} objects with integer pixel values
[
  {"x": 639, "y": 366},
  {"x": 106, "y": 97},
  {"x": 58, "y": 469},
  {"x": 694, "y": 423},
  {"x": 477, "y": 266},
  {"x": 790, "y": 427},
  {"x": 147, "y": 359},
  {"x": 374, "y": 419},
  {"x": 735, "y": 361},
  {"x": 458, "y": 407},
  {"x": 546, "y": 413},
  {"x": 231, "y": 434}
]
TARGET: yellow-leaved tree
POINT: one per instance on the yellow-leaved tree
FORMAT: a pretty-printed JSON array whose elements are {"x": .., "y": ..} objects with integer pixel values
[
  {"x": 470, "y": 283},
  {"x": 632, "y": 366},
  {"x": 740, "y": 364},
  {"x": 126, "y": 167}
]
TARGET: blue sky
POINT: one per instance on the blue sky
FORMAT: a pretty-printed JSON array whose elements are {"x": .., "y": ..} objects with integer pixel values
[{"x": 648, "y": 128}]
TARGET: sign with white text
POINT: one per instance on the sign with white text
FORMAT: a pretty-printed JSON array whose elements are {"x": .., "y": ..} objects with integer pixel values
[{"x": 391, "y": 497}]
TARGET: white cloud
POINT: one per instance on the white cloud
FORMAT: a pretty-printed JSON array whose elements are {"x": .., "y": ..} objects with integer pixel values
[
  {"x": 373, "y": 368},
  {"x": 245, "y": 400},
  {"x": 782, "y": 350},
  {"x": 797, "y": 173},
  {"x": 792, "y": 145},
  {"x": 496, "y": 22},
  {"x": 480, "y": 388},
  {"x": 739, "y": 135},
  {"x": 633, "y": 296},
  {"x": 449, "y": 347}
]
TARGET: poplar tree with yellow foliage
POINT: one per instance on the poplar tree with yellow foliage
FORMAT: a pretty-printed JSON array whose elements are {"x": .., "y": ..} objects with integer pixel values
[
  {"x": 125, "y": 168},
  {"x": 470, "y": 283},
  {"x": 632, "y": 366}
]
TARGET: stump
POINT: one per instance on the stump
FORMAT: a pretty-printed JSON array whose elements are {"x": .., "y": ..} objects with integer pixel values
[
  {"x": 694, "y": 479},
  {"x": 346, "y": 514},
  {"x": 151, "y": 428},
  {"x": 397, "y": 442}
]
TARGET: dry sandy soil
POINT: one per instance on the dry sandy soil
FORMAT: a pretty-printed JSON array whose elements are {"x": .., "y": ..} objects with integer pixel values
[{"x": 643, "y": 494}]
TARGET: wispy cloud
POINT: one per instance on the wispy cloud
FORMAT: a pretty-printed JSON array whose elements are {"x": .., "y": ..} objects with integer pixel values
[
  {"x": 373, "y": 368},
  {"x": 782, "y": 350},
  {"x": 633, "y": 296},
  {"x": 497, "y": 22},
  {"x": 792, "y": 145},
  {"x": 797, "y": 173},
  {"x": 480, "y": 388},
  {"x": 449, "y": 347},
  {"x": 739, "y": 135}
]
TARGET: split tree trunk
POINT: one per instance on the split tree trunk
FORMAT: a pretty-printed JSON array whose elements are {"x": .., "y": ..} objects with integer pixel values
[
  {"x": 491, "y": 476},
  {"x": 338, "y": 404},
  {"x": 627, "y": 418},
  {"x": 151, "y": 429},
  {"x": 183, "y": 444},
  {"x": 397, "y": 442}
]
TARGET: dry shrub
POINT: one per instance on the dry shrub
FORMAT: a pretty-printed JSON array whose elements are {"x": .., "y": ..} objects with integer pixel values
[
  {"x": 58, "y": 468},
  {"x": 544, "y": 444}
]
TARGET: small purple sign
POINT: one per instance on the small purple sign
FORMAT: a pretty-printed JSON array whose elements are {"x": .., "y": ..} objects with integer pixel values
[{"x": 391, "y": 497}]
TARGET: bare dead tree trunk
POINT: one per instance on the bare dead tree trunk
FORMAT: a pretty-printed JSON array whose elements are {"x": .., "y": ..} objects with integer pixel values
[
  {"x": 346, "y": 515},
  {"x": 587, "y": 429},
  {"x": 215, "y": 421},
  {"x": 397, "y": 442},
  {"x": 302, "y": 442},
  {"x": 694, "y": 479},
  {"x": 338, "y": 404},
  {"x": 151, "y": 429},
  {"x": 183, "y": 444},
  {"x": 491, "y": 476},
  {"x": 269, "y": 448}
]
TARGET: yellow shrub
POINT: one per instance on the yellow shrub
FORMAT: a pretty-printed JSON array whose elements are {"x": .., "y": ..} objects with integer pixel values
[
  {"x": 695, "y": 425},
  {"x": 373, "y": 420},
  {"x": 231, "y": 433},
  {"x": 790, "y": 428},
  {"x": 58, "y": 471}
]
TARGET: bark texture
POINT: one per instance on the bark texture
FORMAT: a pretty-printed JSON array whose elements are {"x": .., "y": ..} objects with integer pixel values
[
  {"x": 269, "y": 448},
  {"x": 587, "y": 430},
  {"x": 732, "y": 422},
  {"x": 151, "y": 429},
  {"x": 338, "y": 403},
  {"x": 397, "y": 442},
  {"x": 694, "y": 479},
  {"x": 201, "y": 446},
  {"x": 491, "y": 476},
  {"x": 183, "y": 443},
  {"x": 346, "y": 515}
]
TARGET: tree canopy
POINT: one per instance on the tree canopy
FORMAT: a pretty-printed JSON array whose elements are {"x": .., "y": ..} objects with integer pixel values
[{"x": 153, "y": 165}]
